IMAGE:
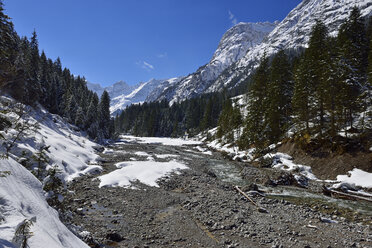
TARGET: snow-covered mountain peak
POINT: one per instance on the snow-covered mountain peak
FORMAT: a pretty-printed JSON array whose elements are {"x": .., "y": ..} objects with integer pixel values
[
  {"x": 119, "y": 88},
  {"x": 235, "y": 43},
  {"x": 238, "y": 40}
]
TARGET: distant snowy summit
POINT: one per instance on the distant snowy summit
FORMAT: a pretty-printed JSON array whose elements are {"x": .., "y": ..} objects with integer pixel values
[
  {"x": 123, "y": 95},
  {"x": 117, "y": 89}
]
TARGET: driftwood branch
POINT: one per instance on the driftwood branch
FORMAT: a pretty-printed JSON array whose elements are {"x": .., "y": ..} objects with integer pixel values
[
  {"x": 259, "y": 209},
  {"x": 246, "y": 196}
]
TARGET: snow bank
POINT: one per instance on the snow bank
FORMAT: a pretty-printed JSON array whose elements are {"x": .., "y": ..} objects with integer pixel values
[
  {"x": 283, "y": 161},
  {"x": 163, "y": 141},
  {"x": 147, "y": 172},
  {"x": 142, "y": 154},
  {"x": 164, "y": 156},
  {"x": 356, "y": 177},
  {"x": 22, "y": 197}
]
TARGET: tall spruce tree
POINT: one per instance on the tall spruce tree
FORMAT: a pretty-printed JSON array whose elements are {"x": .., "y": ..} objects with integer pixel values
[
  {"x": 257, "y": 104},
  {"x": 316, "y": 56},
  {"x": 34, "y": 86},
  {"x": 280, "y": 90},
  {"x": 353, "y": 63},
  {"x": 104, "y": 115},
  {"x": 302, "y": 94},
  {"x": 8, "y": 45}
]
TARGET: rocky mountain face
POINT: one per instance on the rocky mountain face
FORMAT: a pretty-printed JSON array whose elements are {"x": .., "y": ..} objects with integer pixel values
[
  {"x": 293, "y": 34},
  {"x": 235, "y": 43}
]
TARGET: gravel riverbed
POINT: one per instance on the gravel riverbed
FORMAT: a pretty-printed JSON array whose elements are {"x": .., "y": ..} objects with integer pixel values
[{"x": 200, "y": 207}]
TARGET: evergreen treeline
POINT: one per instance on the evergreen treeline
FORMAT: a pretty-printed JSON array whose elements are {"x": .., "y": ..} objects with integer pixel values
[
  {"x": 321, "y": 93},
  {"x": 32, "y": 78},
  {"x": 159, "y": 119}
]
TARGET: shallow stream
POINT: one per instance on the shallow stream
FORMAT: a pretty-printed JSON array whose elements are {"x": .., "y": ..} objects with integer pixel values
[{"x": 230, "y": 173}]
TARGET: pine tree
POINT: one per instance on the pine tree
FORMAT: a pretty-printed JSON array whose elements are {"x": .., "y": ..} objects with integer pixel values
[
  {"x": 332, "y": 85},
  {"x": 302, "y": 94},
  {"x": 257, "y": 104},
  {"x": 41, "y": 159},
  {"x": 8, "y": 45},
  {"x": 13, "y": 54},
  {"x": 206, "y": 122},
  {"x": 317, "y": 64},
  {"x": 280, "y": 93},
  {"x": 34, "y": 86},
  {"x": 104, "y": 115},
  {"x": 80, "y": 117},
  {"x": 23, "y": 233},
  {"x": 353, "y": 62},
  {"x": 71, "y": 108},
  {"x": 230, "y": 119}
]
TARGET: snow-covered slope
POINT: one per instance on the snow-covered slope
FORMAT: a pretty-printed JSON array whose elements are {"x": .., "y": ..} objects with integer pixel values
[
  {"x": 70, "y": 150},
  {"x": 235, "y": 43},
  {"x": 22, "y": 197},
  {"x": 293, "y": 33}
]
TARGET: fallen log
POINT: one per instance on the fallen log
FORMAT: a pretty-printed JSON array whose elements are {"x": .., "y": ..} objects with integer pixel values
[
  {"x": 260, "y": 209},
  {"x": 345, "y": 196}
]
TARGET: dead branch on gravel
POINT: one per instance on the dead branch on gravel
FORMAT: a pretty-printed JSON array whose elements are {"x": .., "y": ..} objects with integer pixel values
[{"x": 260, "y": 209}]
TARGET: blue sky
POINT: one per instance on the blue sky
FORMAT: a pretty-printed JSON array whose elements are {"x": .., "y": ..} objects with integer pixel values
[{"x": 135, "y": 40}]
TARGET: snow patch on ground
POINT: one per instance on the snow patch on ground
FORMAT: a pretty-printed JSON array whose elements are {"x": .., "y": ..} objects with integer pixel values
[
  {"x": 164, "y": 156},
  {"x": 156, "y": 140},
  {"x": 283, "y": 161},
  {"x": 108, "y": 151},
  {"x": 142, "y": 154},
  {"x": 22, "y": 198},
  {"x": 356, "y": 177},
  {"x": 147, "y": 172}
]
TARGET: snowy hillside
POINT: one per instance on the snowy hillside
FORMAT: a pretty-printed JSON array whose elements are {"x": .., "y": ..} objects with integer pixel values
[
  {"x": 21, "y": 192},
  {"x": 235, "y": 43},
  {"x": 294, "y": 32},
  {"x": 73, "y": 153},
  {"x": 22, "y": 198}
]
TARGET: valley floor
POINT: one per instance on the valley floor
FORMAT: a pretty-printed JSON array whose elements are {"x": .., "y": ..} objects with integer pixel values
[{"x": 199, "y": 207}]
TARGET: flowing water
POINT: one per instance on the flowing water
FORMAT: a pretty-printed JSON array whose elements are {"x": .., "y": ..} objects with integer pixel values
[{"x": 229, "y": 172}]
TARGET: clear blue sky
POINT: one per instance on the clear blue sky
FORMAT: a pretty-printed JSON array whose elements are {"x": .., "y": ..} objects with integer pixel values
[{"x": 135, "y": 40}]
